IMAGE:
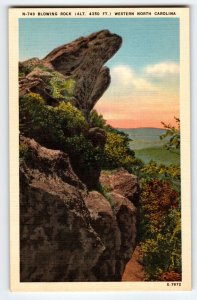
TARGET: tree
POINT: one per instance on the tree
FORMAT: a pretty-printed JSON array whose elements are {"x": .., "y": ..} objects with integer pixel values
[{"x": 172, "y": 134}]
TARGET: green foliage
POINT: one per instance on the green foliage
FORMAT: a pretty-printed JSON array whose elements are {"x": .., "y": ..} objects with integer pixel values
[
  {"x": 63, "y": 127},
  {"x": 23, "y": 151},
  {"x": 80, "y": 148},
  {"x": 27, "y": 66},
  {"x": 160, "y": 212},
  {"x": 159, "y": 154},
  {"x": 71, "y": 119},
  {"x": 60, "y": 87},
  {"x": 117, "y": 152},
  {"x": 44, "y": 68},
  {"x": 162, "y": 253},
  {"x": 46, "y": 123},
  {"x": 96, "y": 120},
  {"x": 33, "y": 98},
  {"x": 115, "y": 149},
  {"x": 40, "y": 120},
  {"x": 160, "y": 228},
  {"x": 23, "y": 71},
  {"x": 174, "y": 135},
  {"x": 153, "y": 170}
]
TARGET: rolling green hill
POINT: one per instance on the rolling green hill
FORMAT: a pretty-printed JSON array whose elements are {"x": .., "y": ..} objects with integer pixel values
[
  {"x": 158, "y": 154},
  {"x": 148, "y": 146},
  {"x": 145, "y": 137}
]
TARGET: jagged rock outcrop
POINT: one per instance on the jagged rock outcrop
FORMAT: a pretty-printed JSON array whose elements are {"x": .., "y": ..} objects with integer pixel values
[
  {"x": 57, "y": 242},
  {"x": 81, "y": 60},
  {"x": 105, "y": 224},
  {"x": 126, "y": 218},
  {"x": 123, "y": 192},
  {"x": 66, "y": 232},
  {"x": 115, "y": 224},
  {"x": 122, "y": 182},
  {"x": 74, "y": 73}
]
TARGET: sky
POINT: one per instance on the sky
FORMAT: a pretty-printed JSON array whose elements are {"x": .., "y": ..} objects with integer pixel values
[{"x": 144, "y": 87}]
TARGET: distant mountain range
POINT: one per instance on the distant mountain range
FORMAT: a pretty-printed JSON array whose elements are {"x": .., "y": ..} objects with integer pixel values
[{"x": 143, "y": 138}]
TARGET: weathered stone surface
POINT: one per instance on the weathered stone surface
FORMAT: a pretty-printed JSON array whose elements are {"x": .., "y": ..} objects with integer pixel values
[
  {"x": 126, "y": 216},
  {"x": 115, "y": 224},
  {"x": 82, "y": 60},
  {"x": 123, "y": 190},
  {"x": 57, "y": 241},
  {"x": 26, "y": 66},
  {"x": 82, "y": 63},
  {"x": 102, "y": 82},
  {"x": 104, "y": 223},
  {"x": 122, "y": 182},
  {"x": 66, "y": 232}
]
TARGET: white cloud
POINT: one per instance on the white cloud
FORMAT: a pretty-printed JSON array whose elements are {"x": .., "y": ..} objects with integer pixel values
[
  {"x": 126, "y": 77},
  {"x": 122, "y": 74},
  {"x": 162, "y": 69}
]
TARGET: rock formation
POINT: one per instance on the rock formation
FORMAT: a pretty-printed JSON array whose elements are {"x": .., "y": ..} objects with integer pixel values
[
  {"x": 82, "y": 60},
  {"x": 66, "y": 232},
  {"x": 121, "y": 182},
  {"x": 57, "y": 242},
  {"x": 73, "y": 73}
]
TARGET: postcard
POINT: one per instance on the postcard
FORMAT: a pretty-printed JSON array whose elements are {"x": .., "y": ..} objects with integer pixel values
[{"x": 99, "y": 115}]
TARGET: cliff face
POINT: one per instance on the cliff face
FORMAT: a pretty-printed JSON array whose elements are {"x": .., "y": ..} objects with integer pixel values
[
  {"x": 68, "y": 230},
  {"x": 55, "y": 232}
]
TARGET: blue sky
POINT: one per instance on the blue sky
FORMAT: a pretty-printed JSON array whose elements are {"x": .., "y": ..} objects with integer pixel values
[
  {"x": 144, "y": 72},
  {"x": 144, "y": 40}
]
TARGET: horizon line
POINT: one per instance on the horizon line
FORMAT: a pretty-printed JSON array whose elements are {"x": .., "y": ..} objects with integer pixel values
[{"x": 142, "y": 127}]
